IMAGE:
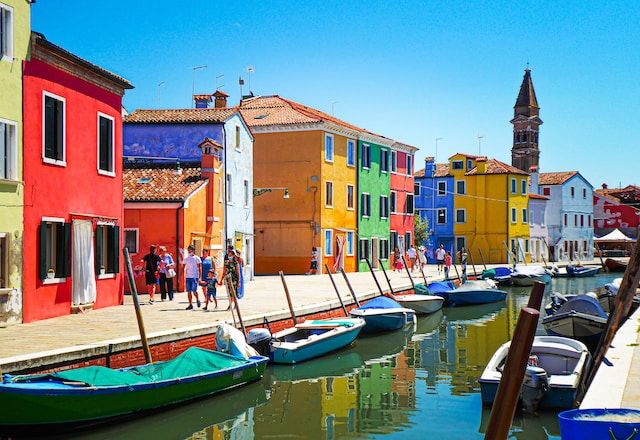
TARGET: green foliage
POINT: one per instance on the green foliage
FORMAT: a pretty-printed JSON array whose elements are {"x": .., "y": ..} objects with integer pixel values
[{"x": 420, "y": 229}]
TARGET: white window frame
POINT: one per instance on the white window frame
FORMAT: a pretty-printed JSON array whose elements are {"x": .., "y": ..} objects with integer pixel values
[
  {"x": 395, "y": 245},
  {"x": 220, "y": 190},
  {"x": 393, "y": 166},
  {"x": 455, "y": 241},
  {"x": 386, "y": 199},
  {"x": 525, "y": 216},
  {"x": 406, "y": 204},
  {"x": 387, "y": 252},
  {"x": 409, "y": 165},
  {"x": 363, "y": 257},
  {"x": 464, "y": 211},
  {"x": 12, "y": 151},
  {"x": 523, "y": 186},
  {"x": 386, "y": 168},
  {"x": 326, "y": 193},
  {"x": 324, "y": 244},
  {"x": 368, "y": 147},
  {"x": 514, "y": 186},
  {"x": 444, "y": 182},
  {"x": 333, "y": 148},
  {"x": 10, "y": 43},
  {"x": 353, "y": 197},
  {"x": 105, "y": 248},
  {"x": 445, "y": 216},
  {"x": 419, "y": 187},
  {"x": 407, "y": 245},
  {"x": 124, "y": 238},
  {"x": 113, "y": 144},
  {"x": 351, "y": 234},
  {"x": 228, "y": 188},
  {"x": 45, "y": 159},
  {"x": 364, "y": 205},
  {"x": 393, "y": 209},
  {"x": 247, "y": 193},
  {"x": 238, "y": 140},
  {"x": 54, "y": 280},
  {"x": 514, "y": 215},
  {"x": 464, "y": 187},
  {"x": 353, "y": 143}
]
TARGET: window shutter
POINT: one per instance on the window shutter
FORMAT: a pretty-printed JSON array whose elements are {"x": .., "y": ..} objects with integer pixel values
[
  {"x": 98, "y": 256},
  {"x": 115, "y": 250},
  {"x": 43, "y": 251},
  {"x": 66, "y": 243},
  {"x": 59, "y": 130},
  {"x": 49, "y": 128}
]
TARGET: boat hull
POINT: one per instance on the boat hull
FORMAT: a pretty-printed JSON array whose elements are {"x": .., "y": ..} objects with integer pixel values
[
  {"x": 385, "y": 322},
  {"x": 615, "y": 265},
  {"x": 527, "y": 281},
  {"x": 421, "y": 304},
  {"x": 584, "y": 273},
  {"x": 574, "y": 325},
  {"x": 556, "y": 397},
  {"x": 455, "y": 298}
]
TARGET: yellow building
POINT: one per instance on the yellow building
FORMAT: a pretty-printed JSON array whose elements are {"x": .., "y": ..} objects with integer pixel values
[{"x": 490, "y": 208}]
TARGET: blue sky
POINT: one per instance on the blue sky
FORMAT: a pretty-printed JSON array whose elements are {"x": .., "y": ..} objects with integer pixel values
[{"x": 412, "y": 71}]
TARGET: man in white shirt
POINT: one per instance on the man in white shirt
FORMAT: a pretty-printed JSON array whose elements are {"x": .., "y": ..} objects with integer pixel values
[
  {"x": 413, "y": 256},
  {"x": 440, "y": 254},
  {"x": 192, "y": 265}
]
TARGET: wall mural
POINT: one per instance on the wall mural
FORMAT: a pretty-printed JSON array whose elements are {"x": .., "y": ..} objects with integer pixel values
[{"x": 169, "y": 140}]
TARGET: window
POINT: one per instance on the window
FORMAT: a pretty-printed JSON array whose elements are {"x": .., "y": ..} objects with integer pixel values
[
  {"x": 573, "y": 191},
  {"x": 416, "y": 189},
  {"x": 220, "y": 193},
  {"x": 366, "y": 156},
  {"x": 407, "y": 240},
  {"x": 8, "y": 150},
  {"x": 237, "y": 138},
  {"x": 394, "y": 161},
  {"x": 409, "y": 209},
  {"x": 514, "y": 186},
  {"x": 393, "y": 239},
  {"x": 107, "y": 255},
  {"x": 350, "y": 197},
  {"x": 585, "y": 246},
  {"x": 469, "y": 164},
  {"x": 384, "y": 160},
  {"x": 566, "y": 221},
  {"x": 526, "y": 246},
  {"x": 581, "y": 220},
  {"x": 106, "y": 149},
  {"x": 245, "y": 185},
  {"x": 461, "y": 187},
  {"x": 6, "y": 33},
  {"x": 584, "y": 193},
  {"x": 589, "y": 220},
  {"x": 328, "y": 242},
  {"x": 365, "y": 205},
  {"x": 442, "y": 188},
  {"x": 461, "y": 216},
  {"x": 523, "y": 186},
  {"x": 546, "y": 191},
  {"x": 457, "y": 165},
  {"x": 131, "y": 240},
  {"x": 328, "y": 194},
  {"x": 409, "y": 165},
  {"x": 575, "y": 219},
  {"x": 54, "y": 129},
  {"x": 328, "y": 148},
  {"x": 442, "y": 216},
  {"x": 350, "y": 244},
  {"x": 55, "y": 252},
  {"x": 514, "y": 215},
  {"x": 460, "y": 242},
  {"x": 351, "y": 153},
  {"x": 524, "y": 215},
  {"x": 229, "y": 188},
  {"x": 392, "y": 202},
  {"x": 384, "y": 207},
  {"x": 383, "y": 253},
  {"x": 364, "y": 249}
]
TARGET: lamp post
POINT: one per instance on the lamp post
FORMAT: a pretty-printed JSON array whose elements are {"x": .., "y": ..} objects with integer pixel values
[{"x": 259, "y": 191}]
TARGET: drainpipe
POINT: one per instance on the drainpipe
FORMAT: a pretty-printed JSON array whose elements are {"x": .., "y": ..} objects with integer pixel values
[
  {"x": 224, "y": 179},
  {"x": 178, "y": 265}
]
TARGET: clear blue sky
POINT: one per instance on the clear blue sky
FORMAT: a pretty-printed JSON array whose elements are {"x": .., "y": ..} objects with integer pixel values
[{"x": 411, "y": 71}]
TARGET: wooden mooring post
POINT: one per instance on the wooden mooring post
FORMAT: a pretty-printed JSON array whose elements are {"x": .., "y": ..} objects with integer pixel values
[
  {"x": 387, "y": 278},
  {"x": 335, "y": 287},
  {"x": 482, "y": 259},
  {"x": 234, "y": 301},
  {"x": 353, "y": 293},
  {"x": 374, "y": 276},
  {"x": 136, "y": 306},
  {"x": 286, "y": 292},
  {"x": 406, "y": 266}
]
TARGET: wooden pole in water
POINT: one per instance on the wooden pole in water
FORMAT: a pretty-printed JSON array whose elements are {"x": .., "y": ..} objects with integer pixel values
[
  {"x": 535, "y": 298},
  {"x": 510, "y": 253},
  {"x": 406, "y": 266},
  {"x": 482, "y": 259},
  {"x": 519, "y": 249},
  {"x": 136, "y": 306},
  {"x": 544, "y": 240},
  {"x": 387, "y": 278},
  {"x": 456, "y": 268},
  {"x": 232, "y": 294},
  {"x": 473, "y": 266},
  {"x": 374, "y": 276},
  {"x": 353, "y": 293},
  {"x": 335, "y": 287},
  {"x": 606, "y": 269},
  {"x": 507, "y": 396},
  {"x": 286, "y": 292},
  {"x": 544, "y": 261},
  {"x": 423, "y": 276}
]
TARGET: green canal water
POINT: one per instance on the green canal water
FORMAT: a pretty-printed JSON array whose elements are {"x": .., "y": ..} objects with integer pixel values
[{"x": 418, "y": 384}]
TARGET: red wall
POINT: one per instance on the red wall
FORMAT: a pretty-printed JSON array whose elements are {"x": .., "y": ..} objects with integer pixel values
[
  {"x": 611, "y": 215},
  {"x": 402, "y": 184},
  {"x": 55, "y": 191}
]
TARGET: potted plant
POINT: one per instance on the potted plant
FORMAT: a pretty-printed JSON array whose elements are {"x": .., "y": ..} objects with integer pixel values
[
  {"x": 51, "y": 274},
  {"x": 102, "y": 270}
]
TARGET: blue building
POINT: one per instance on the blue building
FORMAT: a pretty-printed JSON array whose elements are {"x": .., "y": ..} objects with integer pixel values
[{"x": 434, "y": 202}]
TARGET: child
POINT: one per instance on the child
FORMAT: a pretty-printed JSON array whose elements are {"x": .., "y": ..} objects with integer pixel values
[
  {"x": 211, "y": 291},
  {"x": 447, "y": 265}
]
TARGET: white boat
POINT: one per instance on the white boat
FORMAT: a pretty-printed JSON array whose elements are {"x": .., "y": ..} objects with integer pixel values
[
  {"x": 383, "y": 314},
  {"x": 527, "y": 275},
  {"x": 555, "y": 367},
  {"x": 421, "y": 304}
]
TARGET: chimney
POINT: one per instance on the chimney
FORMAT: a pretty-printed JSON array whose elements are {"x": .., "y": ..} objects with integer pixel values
[
  {"x": 220, "y": 99},
  {"x": 481, "y": 165},
  {"x": 534, "y": 180},
  {"x": 429, "y": 167},
  {"x": 605, "y": 186},
  {"x": 210, "y": 162},
  {"x": 202, "y": 101}
]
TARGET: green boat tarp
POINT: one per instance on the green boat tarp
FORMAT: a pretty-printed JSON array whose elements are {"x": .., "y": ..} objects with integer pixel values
[
  {"x": 421, "y": 289},
  {"x": 488, "y": 273},
  {"x": 192, "y": 362}
]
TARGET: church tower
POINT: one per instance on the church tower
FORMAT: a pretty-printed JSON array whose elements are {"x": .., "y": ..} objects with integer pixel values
[{"x": 526, "y": 125}]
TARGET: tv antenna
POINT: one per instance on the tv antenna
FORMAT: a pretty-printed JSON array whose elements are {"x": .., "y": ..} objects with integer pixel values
[
  {"x": 193, "y": 81},
  {"x": 480, "y": 137},
  {"x": 250, "y": 70},
  {"x": 333, "y": 107},
  {"x": 160, "y": 84},
  {"x": 438, "y": 139},
  {"x": 218, "y": 85}
]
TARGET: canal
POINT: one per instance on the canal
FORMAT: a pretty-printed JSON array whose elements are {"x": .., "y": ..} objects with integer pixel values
[{"x": 418, "y": 384}]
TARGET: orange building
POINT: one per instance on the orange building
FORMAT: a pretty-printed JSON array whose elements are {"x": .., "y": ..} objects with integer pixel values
[
  {"x": 174, "y": 207},
  {"x": 313, "y": 156}
]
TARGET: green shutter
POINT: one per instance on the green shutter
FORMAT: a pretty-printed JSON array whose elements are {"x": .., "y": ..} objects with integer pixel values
[
  {"x": 67, "y": 249},
  {"x": 98, "y": 256},
  {"x": 43, "y": 251},
  {"x": 115, "y": 250}
]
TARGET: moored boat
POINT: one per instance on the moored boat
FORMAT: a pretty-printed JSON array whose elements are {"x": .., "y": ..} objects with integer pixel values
[
  {"x": 501, "y": 275},
  {"x": 581, "y": 271},
  {"x": 421, "y": 304},
  {"x": 580, "y": 317},
  {"x": 383, "y": 314},
  {"x": 469, "y": 293},
  {"x": 614, "y": 265},
  {"x": 526, "y": 276}
]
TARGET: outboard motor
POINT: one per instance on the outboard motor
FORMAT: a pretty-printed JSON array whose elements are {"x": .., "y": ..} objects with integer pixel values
[
  {"x": 534, "y": 388},
  {"x": 260, "y": 340},
  {"x": 557, "y": 299}
]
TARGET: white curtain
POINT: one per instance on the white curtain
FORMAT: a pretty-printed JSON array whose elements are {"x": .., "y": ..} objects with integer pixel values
[{"x": 84, "y": 277}]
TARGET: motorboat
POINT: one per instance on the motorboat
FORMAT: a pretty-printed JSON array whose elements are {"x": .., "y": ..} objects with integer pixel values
[
  {"x": 383, "y": 314},
  {"x": 580, "y": 316},
  {"x": 582, "y": 271},
  {"x": 501, "y": 275},
  {"x": 527, "y": 275},
  {"x": 553, "y": 374},
  {"x": 470, "y": 292},
  {"x": 421, "y": 304}
]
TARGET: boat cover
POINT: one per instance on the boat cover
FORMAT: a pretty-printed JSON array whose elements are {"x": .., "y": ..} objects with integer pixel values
[
  {"x": 192, "y": 362},
  {"x": 583, "y": 304},
  {"x": 421, "y": 289},
  {"x": 488, "y": 273},
  {"x": 502, "y": 271},
  {"x": 381, "y": 302},
  {"x": 441, "y": 287},
  {"x": 337, "y": 323}
]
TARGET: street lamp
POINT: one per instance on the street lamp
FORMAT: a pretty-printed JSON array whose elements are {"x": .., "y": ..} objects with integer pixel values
[{"x": 259, "y": 191}]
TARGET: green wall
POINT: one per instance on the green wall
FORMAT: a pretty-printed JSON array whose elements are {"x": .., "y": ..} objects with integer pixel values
[
  {"x": 12, "y": 191},
  {"x": 376, "y": 183}
]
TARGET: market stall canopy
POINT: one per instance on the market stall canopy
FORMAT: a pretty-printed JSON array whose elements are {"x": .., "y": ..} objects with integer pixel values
[{"x": 615, "y": 235}]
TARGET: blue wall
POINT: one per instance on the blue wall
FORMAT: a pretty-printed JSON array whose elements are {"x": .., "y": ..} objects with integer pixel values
[{"x": 169, "y": 140}]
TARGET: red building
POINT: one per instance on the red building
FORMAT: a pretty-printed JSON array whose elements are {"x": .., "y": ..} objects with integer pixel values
[
  {"x": 616, "y": 208},
  {"x": 402, "y": 188},
  {"x": 74, "y": 206}
]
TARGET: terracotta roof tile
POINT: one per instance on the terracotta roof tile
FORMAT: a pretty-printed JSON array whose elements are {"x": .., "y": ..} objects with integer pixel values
[
  {"x": 538, "y": 196},
  {"x": 556, "y": 178},
  {"x": 181, "y": 116},
  {"x": 160, "y": 184},
  {"x": 494, "y": 166},
  {"x": 442, "y": 170}
]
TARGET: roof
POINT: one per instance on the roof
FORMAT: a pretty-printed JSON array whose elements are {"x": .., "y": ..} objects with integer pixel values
[
  {"x": 220, "y": 93},
  {"x": 41, "y": 40},
  {"x": 469, "y": 156},
  {"x": 538, "y": 196},
  {"x": 527, "y": 94},
  {"x": 494, "y": 166},
  {"x": 442, "y": 170},
  {"x": 556, "y": 178},
  {"x": 181, "y": 116},
  {"x": 162, "y": 184}
]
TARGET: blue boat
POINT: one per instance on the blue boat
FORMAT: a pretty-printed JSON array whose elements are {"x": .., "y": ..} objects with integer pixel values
[
  {"x": 580, "y": 317},
  {"x": 471, "y": 292},
  {"x": 383, "y": 314},
  {"x": 313, "y": 338},
  {"x": 501, "y": 275},
  {"x": 582, "y": 271}
]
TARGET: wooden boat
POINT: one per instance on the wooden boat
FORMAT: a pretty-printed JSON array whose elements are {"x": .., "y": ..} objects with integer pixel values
[
  {"x": 94, "y": 394},
  {"x": 580, "y": 317},
  {"x": 582, "y": 271},
  {"x": 526, "y": 276},
  {"x": 614, "y": 265},
  {"x": 383, "y": 314},
  {"x": 469, "y": 293},
  {"x": 421, "y": 304},
  {"x": 501, "y": 275},
  {"x": 313, "y": 338},
  {"x": 558, "y": 364}
]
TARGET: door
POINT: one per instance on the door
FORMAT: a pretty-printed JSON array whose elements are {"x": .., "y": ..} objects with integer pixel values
[
  {"x": 83, "y": 264},
  {"x": 374, "y": 253},
  {"x": 339, "y": 253}
]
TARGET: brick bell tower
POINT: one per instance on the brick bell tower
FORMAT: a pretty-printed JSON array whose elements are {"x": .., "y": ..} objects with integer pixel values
[{"x": 526, "y": 125}]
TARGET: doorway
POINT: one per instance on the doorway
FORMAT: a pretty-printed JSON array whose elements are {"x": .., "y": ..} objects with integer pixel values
[
  {"x": 375, "y": 253},
  {"x": 83, "y": 264}
]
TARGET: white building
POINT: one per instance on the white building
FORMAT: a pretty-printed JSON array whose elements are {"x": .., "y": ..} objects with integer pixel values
[{"x": 538, "y": 230}]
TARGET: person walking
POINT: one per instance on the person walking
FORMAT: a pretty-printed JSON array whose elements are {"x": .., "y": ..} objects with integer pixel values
[
  {"x": 167, "y": 271},
  {"x": 413, "y": 257},
  {"x": 440, "y": 257},
  {"x": 192, "y": 272},
  {"x": 397, "y": 264},
  {"x": 315, "y": 257},
  {"x": 231, "y": 268},
  {"x": 151, "y": 262},
  {"x": 462, "y": 256},
  {"x": 207, "y": 265},
  {"x": 422, "y": 256},
  {"x": 209, "y": 285},
  {"x": 447, "y": 265}
]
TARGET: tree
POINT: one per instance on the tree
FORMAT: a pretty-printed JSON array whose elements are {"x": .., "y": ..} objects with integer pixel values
[{"x": 420, "y": 229}]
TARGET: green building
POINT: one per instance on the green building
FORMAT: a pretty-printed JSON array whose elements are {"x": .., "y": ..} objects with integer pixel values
[
  {"x": 374, "y": 167},
  {"x": 15, "y": 26}
]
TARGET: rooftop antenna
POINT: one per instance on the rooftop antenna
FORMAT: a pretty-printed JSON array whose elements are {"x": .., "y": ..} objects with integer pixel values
[
  {"x": 218, "y": 85},
  {"x": 333, "y": 107},
  {"x": 250, "y": 70},
  {"x": 241, "y": 83},
  {"x": 435, "y": 158},
  {"x": 160, "y": 84},
  {"x": 193, "y": 81},
  {"x": 480, "y": 137}
]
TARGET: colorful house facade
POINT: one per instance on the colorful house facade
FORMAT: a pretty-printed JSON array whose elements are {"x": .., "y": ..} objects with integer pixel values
[
  {"x": 616, "y": 208},
  {"x": 491, "y": 210},
  {"x": 73, "y": 207},
  {"x": 569, "y": 215},
  {"x": 402, "y": 204},
  {"x": 538, "y": 229},
  {"x": 14, "y": 47},
  {"x": 434, "y": 203}
]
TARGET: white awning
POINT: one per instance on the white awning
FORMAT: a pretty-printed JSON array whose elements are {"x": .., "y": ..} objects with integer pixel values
[{"x": 615, "y": 235}]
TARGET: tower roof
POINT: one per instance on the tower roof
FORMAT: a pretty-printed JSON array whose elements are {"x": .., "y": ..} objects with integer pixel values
[{"x": 527, "y": 95}]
